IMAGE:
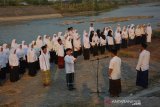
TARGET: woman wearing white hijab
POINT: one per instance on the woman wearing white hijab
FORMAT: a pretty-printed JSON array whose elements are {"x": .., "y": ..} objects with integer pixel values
[
  {"x": 76, "y": 44},
  {"x": 124, "y": 37},
  {"x": 32, "y": 59},
  {"x": 14, "y": 44},
  {"x": 14, "y": 65},
  {"x": 2, "y": 66},
  {"x": 138, "y": 34},
  {"x": 118, "y": 39},
  {"x": 54, "y": 55},
  {"x": 149, "y": 33},
  {"x": 39, "y": 42},
  {"x": 132, "y": 35},
  {"x": 95, "y": 43},
  {"x": 6, "y": 52},
  {"x": 86, "y": 46},
  {"x": 22, "y": 59}
]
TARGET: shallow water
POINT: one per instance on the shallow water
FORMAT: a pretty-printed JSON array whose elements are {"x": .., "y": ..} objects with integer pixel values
[{"x": 29, "y": 30}]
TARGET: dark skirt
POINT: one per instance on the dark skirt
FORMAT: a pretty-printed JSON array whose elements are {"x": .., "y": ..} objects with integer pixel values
[
  {"x": 14, "y": 74},
  {"x": 80, "y": 52},
  {"x": 86, "y": 53},
  {"x": 110, "y": 47},
  {"x": 131, "y": 42},
  {"x": 115, "y": 87},
  {"x": 95, "y": 50},
  {"x": 138, "y": 40},
  {"x": 52, "y": 55},
  {"x": 144, "y": 38},
  {"x": 75, "y": 54},
  {"x": 60, "y": 62},
  {"x": 32, "y": 69},
  {"x": 124, "y": 43},
  {"x": 142, "y": 78},
  {"x": 103, "y": 48},
  {"x": 22, "y": 66},
  {"x": 118, "y": 46},
  {"x": 3, "y": 72},
  {"x": 70, "y": 80},
  {"x": 56, "y": 59}
]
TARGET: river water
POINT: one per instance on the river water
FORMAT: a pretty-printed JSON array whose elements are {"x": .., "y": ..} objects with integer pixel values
[{"x": 29, "y": 30}]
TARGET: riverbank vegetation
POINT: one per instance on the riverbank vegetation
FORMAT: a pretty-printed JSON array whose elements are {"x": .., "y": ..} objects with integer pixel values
[{"x": 67, "y": 6}]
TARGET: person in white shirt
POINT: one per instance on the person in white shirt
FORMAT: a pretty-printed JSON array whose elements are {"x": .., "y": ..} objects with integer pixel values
[
  {"x": 118, "y": 39},
  {"x": 3, "y": 66},
  {"x": 22, "y": 59},
  {"x": 102, "y": 43},
  {"x": 149, "y": 33},
  {"x": 69, "y": 68},
  {"x": 124, "y": 37},
  {"x": 114, "y": 74},
  {"x": 14, "y": 66},
  {"x": 32, "y": 59},
  {"x": 86, "y": 46},
  {"x": 60, "y": 53},
  {"x": 143, "y": 67},
  {"x": 45, "y": 66},
  {"x": 110, "y": 40}
]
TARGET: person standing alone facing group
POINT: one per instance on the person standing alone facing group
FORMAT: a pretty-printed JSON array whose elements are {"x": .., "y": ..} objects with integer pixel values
[{"x": 114, "y": 74}]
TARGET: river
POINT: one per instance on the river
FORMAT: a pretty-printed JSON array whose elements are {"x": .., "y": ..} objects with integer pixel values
[{"x": 29, "y": 30}]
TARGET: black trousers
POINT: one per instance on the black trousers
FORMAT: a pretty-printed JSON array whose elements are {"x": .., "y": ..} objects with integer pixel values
[
  {"x": 70, "y": 80},
  {"x": 103, "y": 48}
]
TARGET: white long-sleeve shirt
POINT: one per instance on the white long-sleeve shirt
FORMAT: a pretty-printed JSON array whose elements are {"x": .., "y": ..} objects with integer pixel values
[
  {"x": 2, "y": 60},
  {"x": 95, "y": 40},
  {"x": 69, "y": 64},
  {"x": 110, "y": 40},
  {"x": 102, "y": 41},
  {"x": 44, "y": 62},
  {"x": 60, "y": 50},
  {"x": 31, "y": 55},
  {"x": 143, "y": 62},
  {"x": 124, "y": 34},
  {"x": 118, "y": 38},
  {"x": 86, "y": 42},
  {"x": 13, "y": 60},
  {"x": 20, "y": 53}
]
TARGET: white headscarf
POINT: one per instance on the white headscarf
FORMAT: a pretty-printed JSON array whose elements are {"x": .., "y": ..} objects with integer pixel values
[{"x": 14, "y": 44}]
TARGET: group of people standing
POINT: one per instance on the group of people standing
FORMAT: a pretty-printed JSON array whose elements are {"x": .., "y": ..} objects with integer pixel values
[{"x": 63, "y": 50}]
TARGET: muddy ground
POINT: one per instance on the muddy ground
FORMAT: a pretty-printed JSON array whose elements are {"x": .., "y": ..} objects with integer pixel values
[{"x": 29, "y": 91}]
